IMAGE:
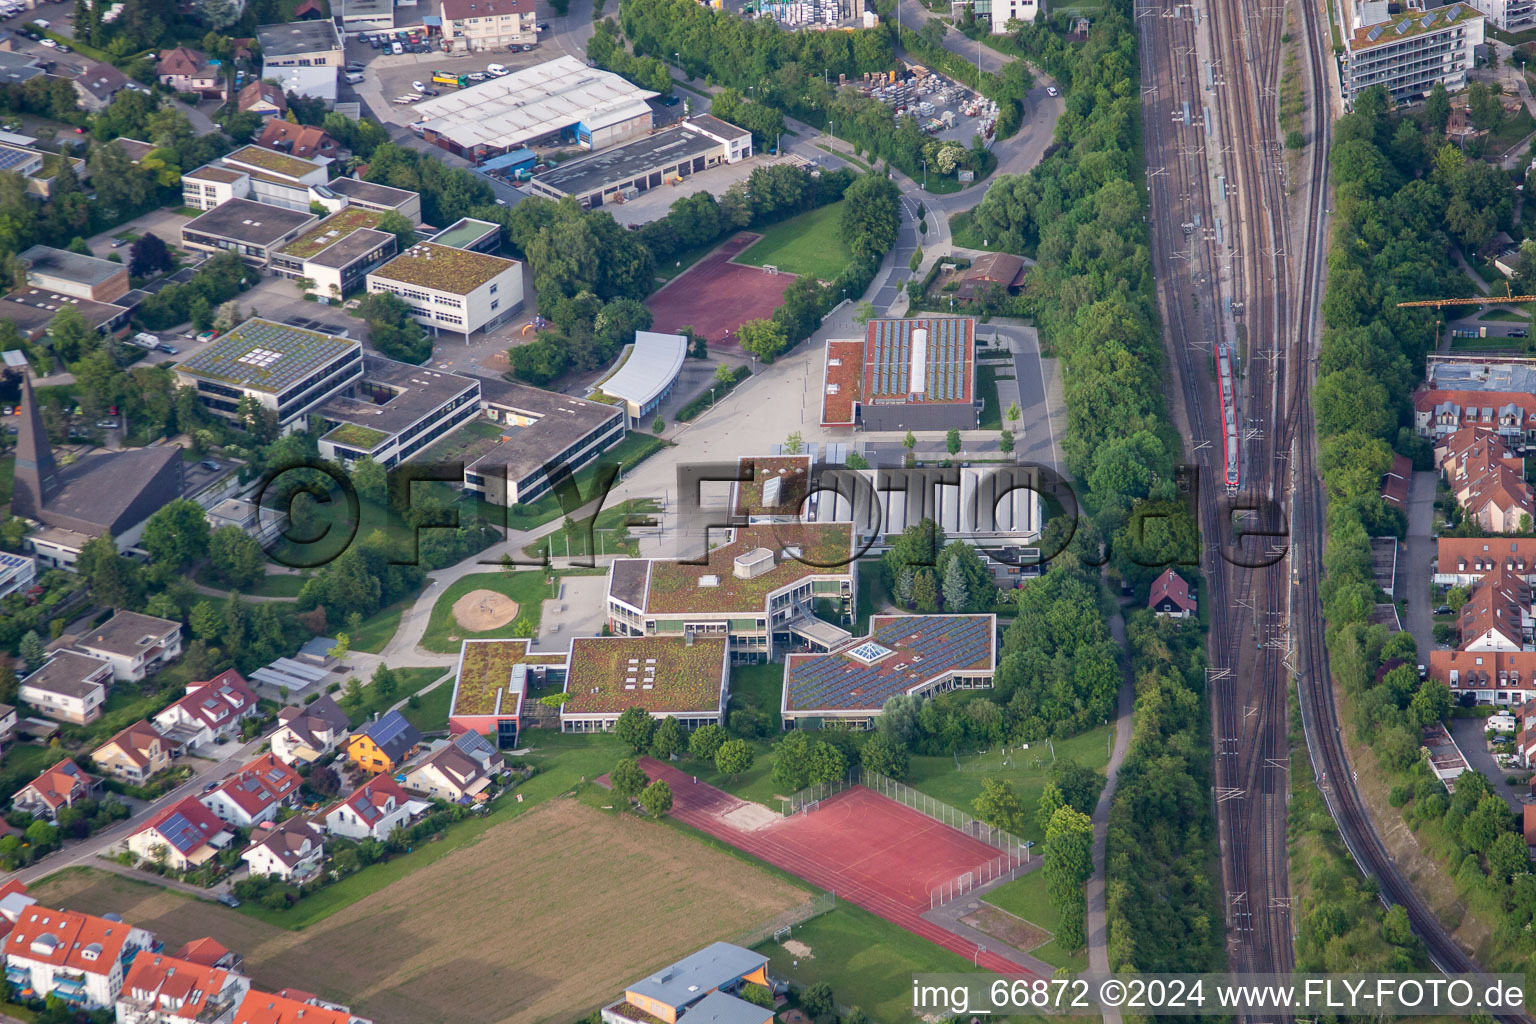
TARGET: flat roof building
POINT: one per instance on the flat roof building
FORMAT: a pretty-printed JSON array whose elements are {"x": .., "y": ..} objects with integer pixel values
[
  {"x": 367, "y": 15},
  {"x": 33, "y": 309},
  {"x": 488, "y": 24},
  {"x": 255, "y": 172},
  {"x": 300, "y": 44},
  {"x": 337, "y": 253},
  {"x": 903, "y": 654},
  {"x": 71, "y": 273},
  {"x": 561, "y": 101},
  {"x": 286, "y": 369},
  {"x": 540, "y": 431},
  {"x": 453, "y": 289},
  {"x": 471, "y": 234},
  {"x": 662, "y": 157},
  {"x": 912, "y": 374},
  {"x": 491, "y": 683},
  {"x": 377, "y": 197},
  {"x": 254, "y": 230},
  {"x": 681, "y": 677},
  {"x": 645, "y": 374},
  {"x": 1409, "y": 52},
  {"x": 394, "y": 410}
]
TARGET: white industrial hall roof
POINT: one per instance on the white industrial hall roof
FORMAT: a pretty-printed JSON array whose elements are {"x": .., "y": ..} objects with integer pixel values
[
  {"x": 651, "y": 367},
  {"x": 533, "y": 102}
]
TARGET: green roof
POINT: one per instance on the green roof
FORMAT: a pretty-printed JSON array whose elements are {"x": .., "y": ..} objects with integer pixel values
[
  {"x": 464, "y": 231},
  {"x": 484, "y": 686},
  {"x": 331, "y": 230},
  {"x": 354, "y": 435},
  {"x": 272, "y": 160},
  {"x": 659, "y": 673},
  {"x": 264, "y": 356},
  {"x": 1412, "y": 23},
  {"x": 680, "y": 587},
  {"x": 443, "y": 268}
]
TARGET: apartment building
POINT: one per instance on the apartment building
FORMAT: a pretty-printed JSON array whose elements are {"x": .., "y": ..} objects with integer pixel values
[
  {"x": 77, "y": 957},
  {"x": 1408, "y": 52},
  {"x": 133, "y": 644},
  {"x": 70, "y": 687},
  {"x": 488, "y": 24}
]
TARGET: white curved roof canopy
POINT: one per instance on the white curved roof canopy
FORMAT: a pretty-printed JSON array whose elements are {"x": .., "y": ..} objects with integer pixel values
[{"x": 651, "y": 367}]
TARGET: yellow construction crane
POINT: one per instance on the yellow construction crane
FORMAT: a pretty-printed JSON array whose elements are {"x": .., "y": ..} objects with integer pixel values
[{"x": 1476, "y": 300}]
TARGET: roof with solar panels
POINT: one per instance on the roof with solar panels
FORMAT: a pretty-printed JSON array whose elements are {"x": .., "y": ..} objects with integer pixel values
[
  {"x": 265, "y": 356},
  {"x": 923, "y": 361},
  {"x": 903, "y": 654},
  {"x": 1373, "y": 29}
]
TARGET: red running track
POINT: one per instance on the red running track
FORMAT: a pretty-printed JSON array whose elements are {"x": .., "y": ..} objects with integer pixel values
[
  {"x": 870, "y": 851},
  {"x": 716, "y": 296}
]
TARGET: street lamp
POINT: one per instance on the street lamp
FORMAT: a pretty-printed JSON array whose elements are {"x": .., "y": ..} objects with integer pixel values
[
  {"x": 711, "y": 398},
  {"x": 925, "y": 174}
]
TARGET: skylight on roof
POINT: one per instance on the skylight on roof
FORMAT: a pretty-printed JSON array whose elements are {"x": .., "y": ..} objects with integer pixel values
[
  {"x": 870, "y": 652},
  {"x": 261, "y": 358}
]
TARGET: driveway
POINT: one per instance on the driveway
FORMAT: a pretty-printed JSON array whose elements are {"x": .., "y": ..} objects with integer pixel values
[
  {"x": 1468, "y": 733},
  {"x": 1418, "y": 557}
]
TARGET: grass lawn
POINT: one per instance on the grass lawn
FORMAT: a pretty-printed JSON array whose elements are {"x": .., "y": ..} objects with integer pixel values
[
  {"x": 810, "y": 243},
  {"x": 1027, "y": 771},
  {"x": 562, "y": 764},
  {"x": 528, "y": 589},
  {"x": 1505, "y": 315},
  {"x": 432, "y": 716},
  {"x": 280, "y": 585},
  {"x": 759, "y": 687},
  {"x": 1489, "y": 344},
  {"x": 7, "y": 474},
  {"x": 986, "y": 385},
  {"x": 607, "y": 534},
  {"x": 379, "y": 628},
  {"x": 25, "y": 762},
  {"x": 1026, "y": 897},
  {"x": 872, "y": 594},
  {"x": 408, "y": 681}
]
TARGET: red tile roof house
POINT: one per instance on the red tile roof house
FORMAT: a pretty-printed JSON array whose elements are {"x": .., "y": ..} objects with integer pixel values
[
  {"x": 1394, "y": 486},
  {"x": 1487, "y": 478},
  {"x": 377, "y": 808},
  {"x": 263, "y": 99},
  {"x": 184, "y": 835},
  {"x": 299, "y": 140},
  {"x": 292, "y": 851},
  {"x": 266, "y": 1008},
  {"x": 165, "y": 990},
  {"x": 1170, "y": 596},
  {"x": 61, "y": 786},
  {"x": 210, "y": 712},
  {"x": 1497, "y": 616},
  {"x": 75, "y": 956},
  {"x": 189, "y": 71},
  {"x": 1462, "y": 561},
  {"x": 255, "y": 793},
  {"x": 209, "y": 952},
  {"x": 1492, "y": 677}
]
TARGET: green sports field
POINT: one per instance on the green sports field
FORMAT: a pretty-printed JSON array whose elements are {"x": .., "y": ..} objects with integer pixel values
[{"x": 810, "y": 243}]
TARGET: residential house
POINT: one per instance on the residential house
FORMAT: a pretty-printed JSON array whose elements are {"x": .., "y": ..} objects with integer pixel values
[
  {"x": 1001, "y": 269},
  {"x": 1397, "y": 481},
  {"x": 448, "y": 774},
  {"x": 267, "y": 1008},
  {"x": 7, "y": 726},
  {"x": 1497, "y": 615},
  {"x": 211, "y": 712},
  {"x": 263, "y": 99},
  {"x": 255, "y": 793},
  {"x": 70, "y": 687},
  {"x": 1500, "y": 678},
  {"x": 488, "y": 24},
  {"x": 292, "y": 850},
  {"x": 135, "y": 754},
  {"x": 383, "y": 745},
  {"x": 209, "y": 952},
  {"x": 300, "y": 140},
  {"x": 1438, "y": 412},
  {"x": 61, "y": 786},
  {"x": 1462, "y": 561},
  {"x": 1525, "y": 732},
  {"x": 134, "y": 644},
  {"x": 98, "y": 85},
  {"x": 1487, "y": 478},
  {"x": 1170, "y": 596},
  {"x": 184, "y": 835},
  {"x": 162, "y": 989},
  {"x": 376, "y": 809},
  {"x": 309, "y": 732},
  {"x": 78, "y": 957},
  {"x": 189, "y": 71}
]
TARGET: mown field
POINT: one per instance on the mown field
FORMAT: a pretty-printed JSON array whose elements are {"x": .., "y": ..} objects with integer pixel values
[{"x": 540, "y": 920}]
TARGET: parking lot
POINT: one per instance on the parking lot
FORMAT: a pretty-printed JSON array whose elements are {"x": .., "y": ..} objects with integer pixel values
[
  {"x": 388, "y": 76},
  {"x": 653, "y": 204}
]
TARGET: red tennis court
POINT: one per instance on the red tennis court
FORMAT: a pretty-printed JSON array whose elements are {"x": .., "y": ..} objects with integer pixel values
[
  {"x": 870, "y": 851},
  {"x": 715, "y": 295}
]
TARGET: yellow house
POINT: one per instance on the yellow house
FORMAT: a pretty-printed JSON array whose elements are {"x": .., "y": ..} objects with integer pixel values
[
  {"x": 135, "y": 754},
  {"x": 384, "y": 745}
]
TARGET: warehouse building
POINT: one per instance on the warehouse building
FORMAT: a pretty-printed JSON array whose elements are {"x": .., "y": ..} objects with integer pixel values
[
  {"x": 71, "y": 273},
  {"x": 561, "y": 101},
  {"x": 303, "y": 44},
  {"x": 661, "y": 158},
  {"x": 254, "y": 230},
  {"x": 286, "y": 369},
  {"x": 394, "y": 410},
  {"x": 452, "y": 289},
  {"x": 916, "y": 374},
  {"x": 1410, "y": 51},
  {"x": 541, "y": 432}
]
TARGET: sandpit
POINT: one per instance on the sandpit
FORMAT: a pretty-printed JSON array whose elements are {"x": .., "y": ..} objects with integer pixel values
[{"x": 480, "y": 610}]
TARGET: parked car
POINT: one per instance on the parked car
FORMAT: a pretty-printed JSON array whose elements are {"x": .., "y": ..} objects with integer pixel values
[
  {"x": 420, "y": 87},
  {"x": 477, "y": 76},
  {"x": 1444, "y": 609},
  {"x": 207, "y": 336},
  {"x": 169, "y": 350},
  {"x": 544, "y": 26},
  {"x": 496, "y": 69},
  {"x": 107, "y": 424},
  {"x": 670, "y": 101},
  {"x": 228, "y": 900},
  {"x": 353, "y": 77},
  {"x": 398, "y": 48},
  {"x": 118, "y": 243},
  {"x": 64, "y": 48},
  {"x": 1051, "y": 90},
  {"x": 50, "y": 44},
  {"x": 210, "y": 465}
]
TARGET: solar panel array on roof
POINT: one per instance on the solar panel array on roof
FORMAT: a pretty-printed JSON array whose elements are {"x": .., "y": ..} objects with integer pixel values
[
  {"x": 946, "y": 358},
  {"x": 11, "y": 157},
  {"x": 927, "y": 646},
  {"x": 1452, "y": 14},
  {"x": 181, "y": 833},
  {"x": 1404, "y": 25},
  {"x": 1428, "y": 20},
  {"x": 1375, "y": 33}
]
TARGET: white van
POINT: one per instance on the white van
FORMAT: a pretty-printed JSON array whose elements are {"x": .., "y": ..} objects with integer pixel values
[
  {"x": 353, "y": 77},
  {"x": 496, "y": 69},
  {"x": 146, "y": 340},
  {"x": 42, "y": 23}
]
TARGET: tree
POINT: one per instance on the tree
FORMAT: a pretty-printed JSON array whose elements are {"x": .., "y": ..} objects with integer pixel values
[
  {"x": 765, "y": 339},
  {"x": 794, "y": 444},
  {"x": 1050, "y": 801},
  {"x": 1455, "y": 598},
  {"x": 396, "y": 224},
  {"x": 998, "y": 804},
  {"x": 1013, "y": 414},
  {"x": 827, "y": 763},
  {"x": 1437, "y": 108},
  {"x": 1077, "y": 784},
  {"x": 656, "y": 798},
  {"x": 1005, "y": 442},
  {"x": 634, "y": 728},
  {"x": 952, "y": 441},
  {"x": 956, "y": 594},
  {"x": 33, "y": 651},
  {"x": 1507, "y": 857},
  {"x": 1068, "y": 864},
  {"x": 668, "y": 739},
  {"x": 1431, "y": 704},
  {"x": 734, "y": 757},
  {"x": 149, "y": 255},
  {"x": 705, "y": 742},
  {"x": 909, "y": 442},
  {"x": 176, "y": 534},
  {"x": 236, "y": 556},
  {"x": 883, "y": 757},
  {"x": 628, "y": 778},
  {"x": 817, "y": 1000},
  {"x": 324, "y": 780},
  {"x": 792, "y": 761},
  {"x": 342, "y": 647},
  {"x": 905, "y": 579},
  {"x": 925, "y": 592},
  {"x": 757, "y": 995},
  {"x": 871, "y": 216},
  {"x": 384, "y": 682}
]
